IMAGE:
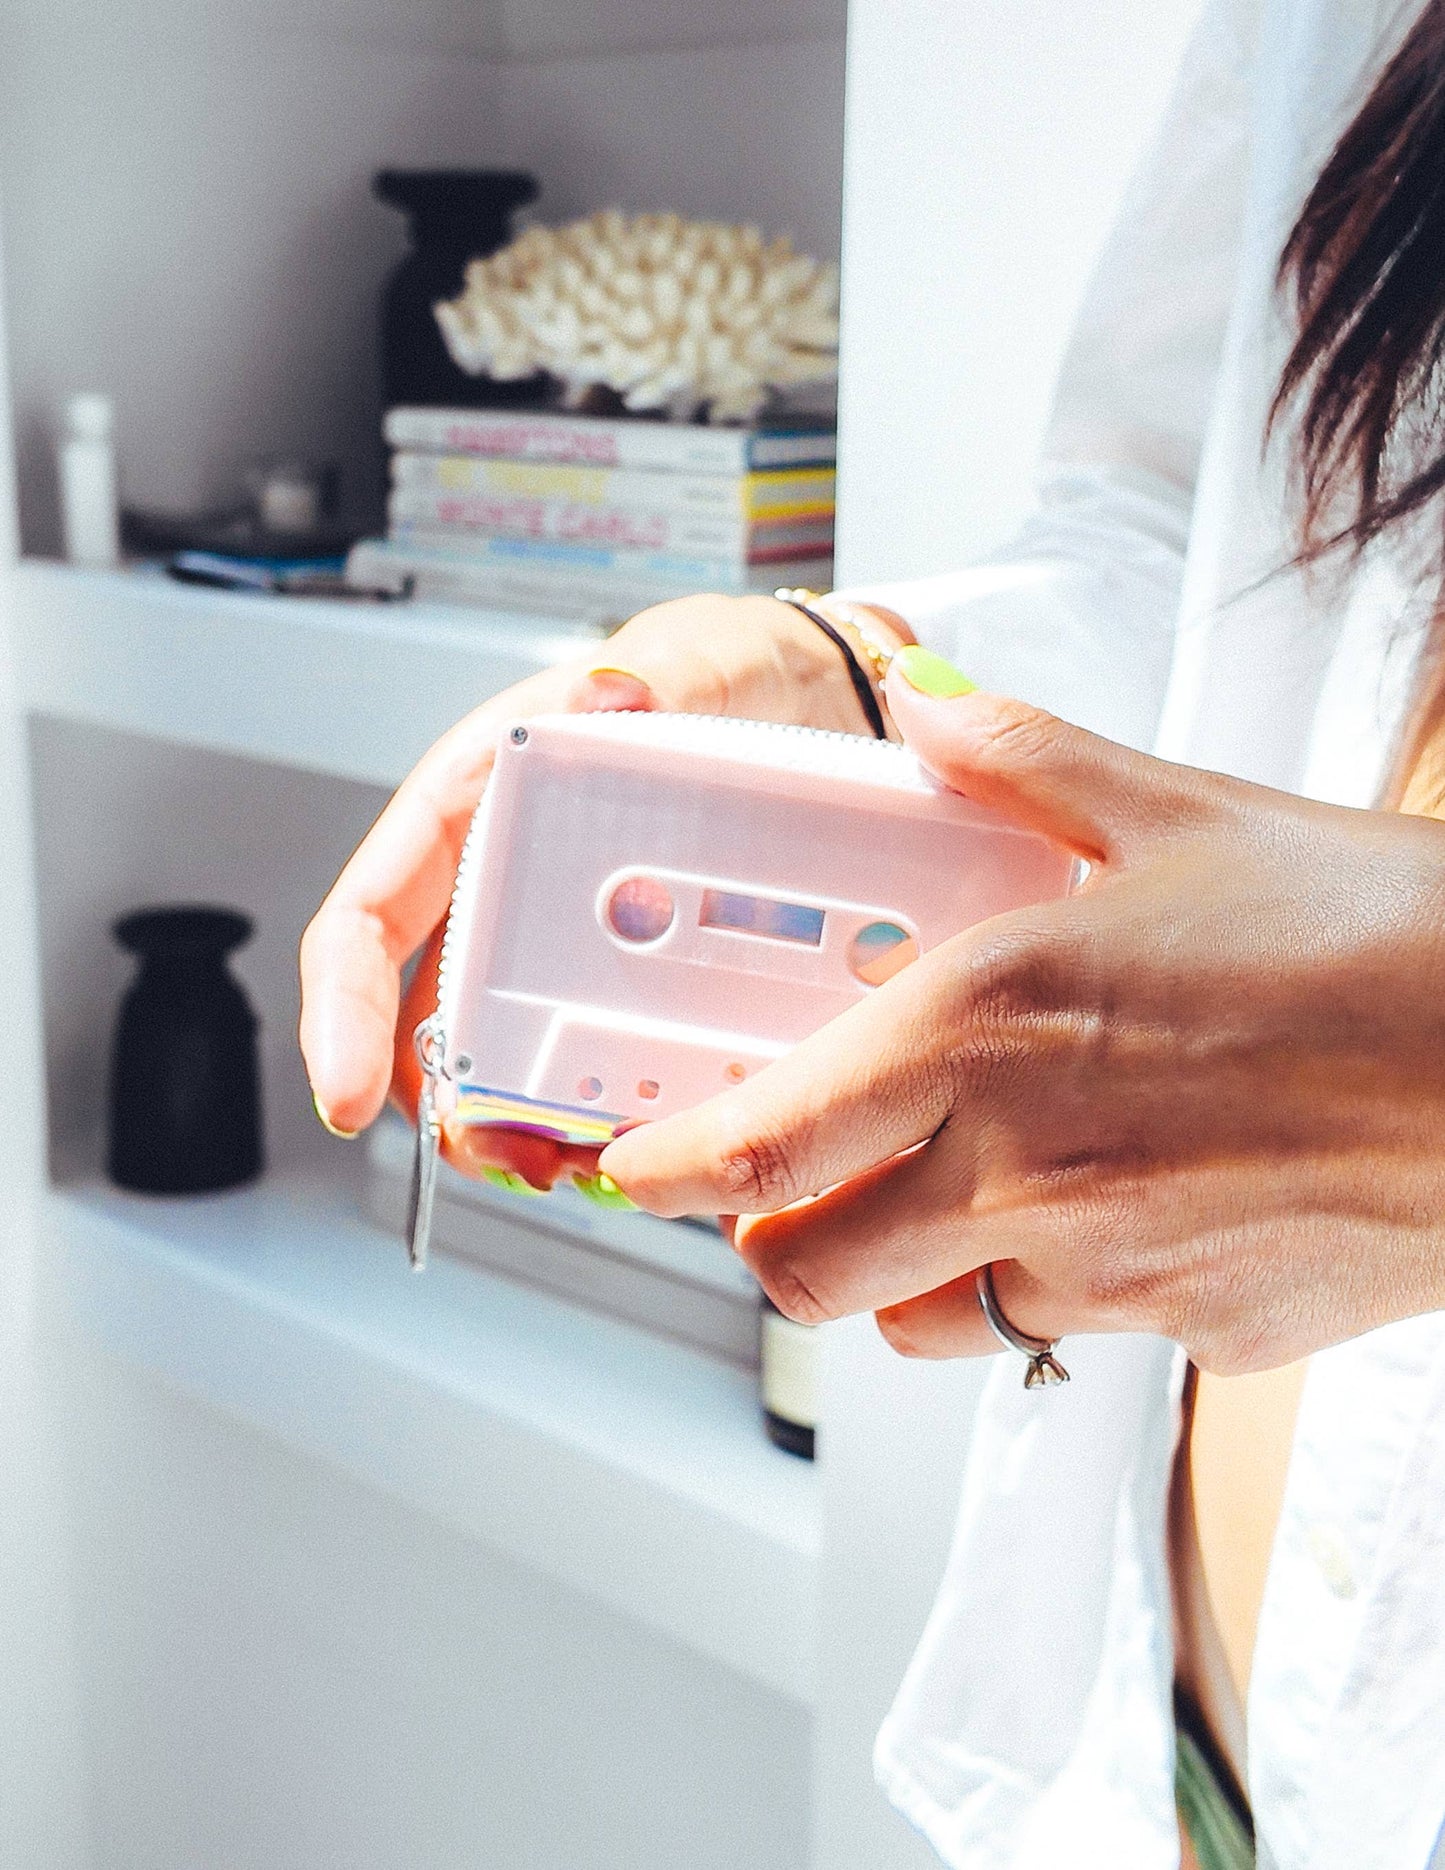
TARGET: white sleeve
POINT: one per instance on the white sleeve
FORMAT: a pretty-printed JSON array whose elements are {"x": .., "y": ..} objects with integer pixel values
[{"x": 1078, "y": 612}]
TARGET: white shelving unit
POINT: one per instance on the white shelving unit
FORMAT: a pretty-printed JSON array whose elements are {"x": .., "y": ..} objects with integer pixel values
[
  {"x": 309, "y": 1565},
  {"x": 284, "y": 1307},
  {"x": 614, "y": 1468},
  {"x": 626, "y": 1467},
  {"x": 357, "y": 691},
  {"x": 330, "y": 1566}
]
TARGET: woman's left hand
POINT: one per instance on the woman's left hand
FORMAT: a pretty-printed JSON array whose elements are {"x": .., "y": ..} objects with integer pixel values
[{"x": 1203, "y": 1097}]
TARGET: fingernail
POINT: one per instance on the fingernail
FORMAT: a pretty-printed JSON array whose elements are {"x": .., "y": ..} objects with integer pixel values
[
  {"x": 331, "y": 1129},
  {"x": 608, "y": 674},
  {"x": 931, "y": 674},
  {"x": 509, "y": 1179},
  {"x": 601, "y": 1188}
]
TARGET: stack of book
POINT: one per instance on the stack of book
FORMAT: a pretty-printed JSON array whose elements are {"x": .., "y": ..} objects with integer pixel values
[{"x": 578, "y": 514}]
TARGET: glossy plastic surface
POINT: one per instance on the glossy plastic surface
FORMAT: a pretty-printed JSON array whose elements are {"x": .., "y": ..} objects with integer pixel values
[{"x": 652, "y": 907}]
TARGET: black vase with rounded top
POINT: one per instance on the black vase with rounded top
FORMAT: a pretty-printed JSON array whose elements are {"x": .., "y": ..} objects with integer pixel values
[
  {"x": 185, "y": 1080},
  {"x": 453, "y": 216}
]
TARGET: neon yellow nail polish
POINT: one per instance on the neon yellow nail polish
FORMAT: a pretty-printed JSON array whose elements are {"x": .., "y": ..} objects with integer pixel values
[
  {"x": 509, "y": 1179},
  {"x": 613, "y": 668},
  {"x": 931, "y": 674},
  {"x": 602, "y": 1190},
  {"x": 331, "y": 1129}
]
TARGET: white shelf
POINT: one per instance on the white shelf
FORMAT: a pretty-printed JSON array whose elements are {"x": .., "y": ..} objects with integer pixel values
[
  {"x": 357, "y": 690},
  {"x": 626, "y": 1466}
]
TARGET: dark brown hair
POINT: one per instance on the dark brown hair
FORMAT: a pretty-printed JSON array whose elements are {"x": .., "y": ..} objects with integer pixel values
[{"x": 1365, "y": 271}]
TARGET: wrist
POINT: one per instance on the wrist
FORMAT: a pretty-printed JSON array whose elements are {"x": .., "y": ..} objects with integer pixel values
[
  {"x": 866, "y": 638},
  {"x": 880, "y": 627}
]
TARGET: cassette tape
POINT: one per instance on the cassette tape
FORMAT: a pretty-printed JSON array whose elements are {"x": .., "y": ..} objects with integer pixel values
[{"x": 650, "y": 907}]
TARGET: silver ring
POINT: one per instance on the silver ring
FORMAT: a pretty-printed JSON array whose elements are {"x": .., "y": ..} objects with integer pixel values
[{"x": 1044, "y": 1368}]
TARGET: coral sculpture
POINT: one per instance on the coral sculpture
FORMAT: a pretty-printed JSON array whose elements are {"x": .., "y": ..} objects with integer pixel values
[{"x": 671, "y": 314}]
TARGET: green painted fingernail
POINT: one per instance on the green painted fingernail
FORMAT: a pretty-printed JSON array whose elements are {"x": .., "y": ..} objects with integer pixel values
[
  {"x": 603, "y": 1190},
  {"x": 931, "y": 674},
  {"x": 509, "y": 1179},
  {"x": 331, "y": 1129}
]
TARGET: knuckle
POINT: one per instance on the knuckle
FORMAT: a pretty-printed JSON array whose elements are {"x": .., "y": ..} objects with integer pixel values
[
  {"x": 1114, "y": 1290},
  {"x": 1013, "y": 734},
  {"x": 1120, "y": 1287},
  {"x": 796, "y": 1297},
  {"x": 755, "y": 1170},
  {"x": 1225, "y": 1332},
  {"x": 1018, "y": 972},
  {"x": 1015, "y": 985}
]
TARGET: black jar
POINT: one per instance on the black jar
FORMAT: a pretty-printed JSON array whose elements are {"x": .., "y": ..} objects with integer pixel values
[
  {"x": 185, "y": 1082},
  {"x": 453, "y": 215}
]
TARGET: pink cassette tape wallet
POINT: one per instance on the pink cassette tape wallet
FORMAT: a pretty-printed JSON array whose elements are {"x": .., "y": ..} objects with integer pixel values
[{"x": 652, "y": 906}]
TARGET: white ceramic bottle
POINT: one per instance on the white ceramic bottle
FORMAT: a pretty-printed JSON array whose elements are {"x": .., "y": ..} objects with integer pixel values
[{"x": 89, "y": 507}]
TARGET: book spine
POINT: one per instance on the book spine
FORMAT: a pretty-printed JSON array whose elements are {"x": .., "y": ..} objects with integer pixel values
[
  {"x": 570, "y": 522},
  {"x": 441, "y": 571},
  {"x": 474, "y": 476},
  {"x": 575, "y": 441},
  {"x": 694, "y": 570},
  {"x": 588, "y": 441},
  {"x": 785, "y": 494}
]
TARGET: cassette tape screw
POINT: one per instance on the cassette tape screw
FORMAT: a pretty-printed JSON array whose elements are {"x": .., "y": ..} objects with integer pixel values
[{"x": 519, "y": 736}]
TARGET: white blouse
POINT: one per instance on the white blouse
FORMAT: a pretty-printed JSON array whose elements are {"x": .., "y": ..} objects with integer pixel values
[{"x": 1145, "y": 599}]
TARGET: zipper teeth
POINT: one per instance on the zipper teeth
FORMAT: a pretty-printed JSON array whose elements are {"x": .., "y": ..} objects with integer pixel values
[
  {"x": 859, "y": 751},
  {"x": 741, "y": 723},
  {"x": 465, "y": 866}
]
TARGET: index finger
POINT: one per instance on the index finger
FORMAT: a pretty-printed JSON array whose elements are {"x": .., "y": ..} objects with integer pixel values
[{"x": 869, "y": 1084}]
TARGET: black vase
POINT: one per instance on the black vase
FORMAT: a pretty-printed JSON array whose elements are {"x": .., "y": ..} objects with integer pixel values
[
  {"x": 454, "y": 215},
  {"x": 185, "y": 1082}
]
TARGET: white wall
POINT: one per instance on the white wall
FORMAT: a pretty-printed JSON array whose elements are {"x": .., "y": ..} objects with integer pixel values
[
  {"x": 746, "y": 132},
  {"x": 190, "y": 228},
  {"x": 43, "y": 1771},
  {"x": 190, "y": 219},
  {"x": 986, "y": 144},
  {"x": 42, "y": 1777}
]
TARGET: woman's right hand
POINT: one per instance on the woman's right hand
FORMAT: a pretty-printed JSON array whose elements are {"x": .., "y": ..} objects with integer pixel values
[{"x": 752, "y": 657}]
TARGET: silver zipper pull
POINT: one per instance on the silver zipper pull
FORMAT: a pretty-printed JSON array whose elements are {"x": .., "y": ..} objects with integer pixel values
[{"x": 429, "y": 1049}]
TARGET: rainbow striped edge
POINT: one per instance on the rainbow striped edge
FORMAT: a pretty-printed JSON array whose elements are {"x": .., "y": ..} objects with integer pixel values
[{"x": 479, "y": 1104}]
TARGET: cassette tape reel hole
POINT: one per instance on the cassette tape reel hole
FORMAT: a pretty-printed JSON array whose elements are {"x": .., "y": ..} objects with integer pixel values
[
  {"x": 648, "y": 1089},
  {"x": 640, "y": 910},
  {"x": 589, "y": 1090},
  {"x": 879, "y": 951}
]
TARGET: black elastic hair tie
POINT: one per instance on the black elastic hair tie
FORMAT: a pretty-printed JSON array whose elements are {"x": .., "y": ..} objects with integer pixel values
[{"x": 857, "y": 674}]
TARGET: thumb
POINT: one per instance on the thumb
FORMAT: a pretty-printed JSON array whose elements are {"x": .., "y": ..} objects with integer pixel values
[{"x": 1100, "y": 799}]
